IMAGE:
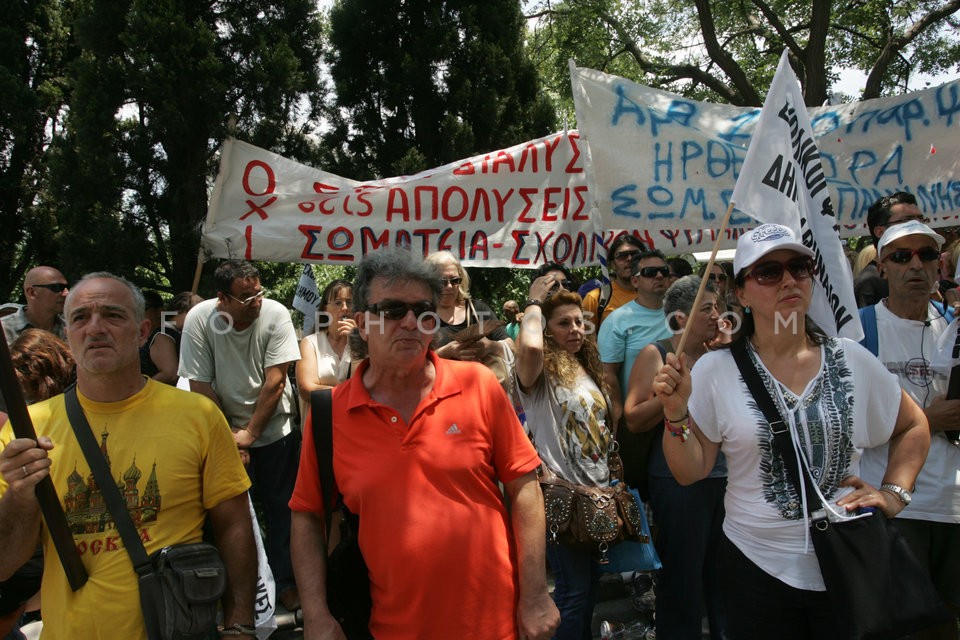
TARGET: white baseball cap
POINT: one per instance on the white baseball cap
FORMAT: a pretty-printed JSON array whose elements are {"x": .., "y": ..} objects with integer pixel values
[
  {"x": 911, "y": 228},
  {"x": 766, "y": 238}
]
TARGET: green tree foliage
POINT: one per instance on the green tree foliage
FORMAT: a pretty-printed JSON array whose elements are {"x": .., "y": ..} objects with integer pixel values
[
  {"x": 727, "y": 51},
  {"x": 33, "y": 45},
  {"x": 422, "y": 83},
  {"x": 146, "y": 91}
]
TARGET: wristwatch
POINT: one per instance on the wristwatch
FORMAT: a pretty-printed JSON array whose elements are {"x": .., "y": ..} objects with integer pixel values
[{"x": 898, "y": 491}]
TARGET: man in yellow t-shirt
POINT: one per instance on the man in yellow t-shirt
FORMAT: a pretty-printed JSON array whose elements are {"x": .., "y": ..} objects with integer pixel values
[
  {"x": 171, "y": 452},
  {"x": 623, "y": 251}
]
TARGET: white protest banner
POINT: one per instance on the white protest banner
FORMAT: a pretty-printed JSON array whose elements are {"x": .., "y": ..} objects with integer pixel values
[
  {"x": 307, "y": 299},
  {"x": 664, "y": 167},
  {"x": 518, "y": 207},
  {"x": 782, "y": 181}
]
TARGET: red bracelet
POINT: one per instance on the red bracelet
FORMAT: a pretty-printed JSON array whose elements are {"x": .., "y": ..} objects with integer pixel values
[{"x": 682, "y": 432}]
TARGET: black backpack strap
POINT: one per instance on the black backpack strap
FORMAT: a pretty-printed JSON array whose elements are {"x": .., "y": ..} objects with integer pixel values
[
  {"x": 150, "y": 594},
  {"x": 606, "y": 290},
  {"x": 321, "y": 411},
  {"x": 778, "y": 426}
]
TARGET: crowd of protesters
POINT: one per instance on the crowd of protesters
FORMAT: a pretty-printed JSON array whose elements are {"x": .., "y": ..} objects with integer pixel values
[{"x": 444, "y": 418}]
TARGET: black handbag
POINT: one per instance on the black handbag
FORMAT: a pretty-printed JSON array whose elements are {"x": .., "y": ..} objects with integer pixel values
[
  {"x": 877, "y": 587},
  {"x": 348, "y": 581},
  {"x": 180, "y": 585}
]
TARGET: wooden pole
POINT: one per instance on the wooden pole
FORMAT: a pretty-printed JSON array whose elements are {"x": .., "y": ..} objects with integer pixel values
[
  {"x": 196, "y": 274},
  {"x": 53, "y": 514},
  {"x": 703, "y": 281}
]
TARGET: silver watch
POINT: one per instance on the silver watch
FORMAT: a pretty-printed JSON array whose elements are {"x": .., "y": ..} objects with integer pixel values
[{"x": 898, "y": 491}]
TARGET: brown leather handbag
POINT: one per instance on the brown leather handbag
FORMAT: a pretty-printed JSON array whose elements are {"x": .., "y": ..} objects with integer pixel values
[{"x": 591, "y": 518}]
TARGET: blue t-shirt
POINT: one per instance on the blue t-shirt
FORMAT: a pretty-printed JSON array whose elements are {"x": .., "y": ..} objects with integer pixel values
[{"x": 626, "y": 332}]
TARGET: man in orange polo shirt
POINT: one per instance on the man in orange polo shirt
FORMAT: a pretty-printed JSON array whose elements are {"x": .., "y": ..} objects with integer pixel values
[{"x": 420, "y": 443}]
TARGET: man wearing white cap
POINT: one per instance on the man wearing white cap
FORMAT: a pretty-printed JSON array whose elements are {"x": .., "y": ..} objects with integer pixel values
[{"x": 902, "y": 330}]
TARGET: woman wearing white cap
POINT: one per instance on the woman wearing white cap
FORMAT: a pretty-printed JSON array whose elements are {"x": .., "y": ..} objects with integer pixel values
[{"x": 836, "y": 398}]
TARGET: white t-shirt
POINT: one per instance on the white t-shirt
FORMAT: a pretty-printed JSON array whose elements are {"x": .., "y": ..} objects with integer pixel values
[
  {"x": 331, "y": 368},
  {"x": 852, "y": 403},
  {"x": 234, "y": 361},
  {"x": 568, "y": 426},
  {"x": 905, "y": 349}
]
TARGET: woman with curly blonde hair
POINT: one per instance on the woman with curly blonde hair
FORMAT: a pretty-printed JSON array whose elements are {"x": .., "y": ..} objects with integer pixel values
[{"x": 560, "y": 379}]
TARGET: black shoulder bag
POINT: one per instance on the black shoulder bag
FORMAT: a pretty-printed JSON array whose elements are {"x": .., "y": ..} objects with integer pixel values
[
  {"x": 877, "y": 587},
  {"x": 348, "y": 582},
  {"x": 180, "y": 585}
]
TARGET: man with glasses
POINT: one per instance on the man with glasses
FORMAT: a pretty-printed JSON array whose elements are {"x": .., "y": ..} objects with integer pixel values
[
  {"x": 601, "y": 302},
  {"x": 420, "y": 445},
  {"x": 45, "y": 290},
  {"x": 902, "y": 330},
  {"x": 622, "y": 336},
  {"x": 897, "y": 208},
  {"x": 237, "y": 349}
]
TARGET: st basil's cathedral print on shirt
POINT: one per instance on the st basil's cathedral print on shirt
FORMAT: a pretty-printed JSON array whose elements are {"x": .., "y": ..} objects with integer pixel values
[{"x": 86, "y": 509}]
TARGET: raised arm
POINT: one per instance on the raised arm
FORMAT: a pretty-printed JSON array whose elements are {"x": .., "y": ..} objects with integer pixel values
[
  {"x": 641, "y": 408},
  {"x": 690, "y": 459},
  {"x": 530, "y": 338}
]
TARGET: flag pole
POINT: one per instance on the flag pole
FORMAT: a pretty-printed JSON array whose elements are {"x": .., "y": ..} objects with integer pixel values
[
  {"x": 196, "y": 274},
  {"x": 704, "y": 279},
  {"x": 57, "y": 526}
]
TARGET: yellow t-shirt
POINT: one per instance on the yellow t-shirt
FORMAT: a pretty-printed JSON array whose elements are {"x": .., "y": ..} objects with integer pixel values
[
  {"x": 173, "y": 458},
  {"x": 618, "y": 297}
]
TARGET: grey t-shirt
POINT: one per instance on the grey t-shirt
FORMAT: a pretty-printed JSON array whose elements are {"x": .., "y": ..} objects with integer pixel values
[
  {"x": 569, "y": 428},
  {"x": 234, "y": 361}
]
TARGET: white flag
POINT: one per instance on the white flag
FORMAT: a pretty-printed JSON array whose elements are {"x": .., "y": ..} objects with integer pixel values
[
  {"x": 947, "y": 354},
  {"x": 307, "y": 299},
  {"x": 782, "y": 181}
]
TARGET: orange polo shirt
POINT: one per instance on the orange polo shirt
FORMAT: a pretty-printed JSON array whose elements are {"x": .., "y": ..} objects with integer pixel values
[{"x": 434, "y": 531}]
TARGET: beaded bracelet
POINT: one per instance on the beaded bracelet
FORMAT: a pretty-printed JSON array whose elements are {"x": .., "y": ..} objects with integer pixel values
[{"x": 682, "y": 432}]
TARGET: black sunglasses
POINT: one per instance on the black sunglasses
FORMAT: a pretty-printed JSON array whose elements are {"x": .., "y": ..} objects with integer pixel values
[
  {"x": 624, "y": 255},
  {"x": 452, "y": 281},
  {"x": 903, "y": 256},
  {"x": 566, "y": 284},
  {"x": 771, "y": 273},
  {"x": 651, "y": 272},
  {"x": 56, "y": 287},
  {"x": 720, "y": 277},
  {"x": 396, "y": 310}
]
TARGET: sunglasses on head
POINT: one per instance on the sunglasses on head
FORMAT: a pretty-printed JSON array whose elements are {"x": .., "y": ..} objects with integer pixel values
[
  {"x": 651, "y": 272},
  {"x": 56, "y": 287},
  {"x": 771, "y": 273},
  {"x": 903, "y": 256},
  {"x": 455, "y": 282},
  {"x": 397, "y": 310}
]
